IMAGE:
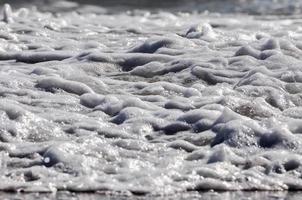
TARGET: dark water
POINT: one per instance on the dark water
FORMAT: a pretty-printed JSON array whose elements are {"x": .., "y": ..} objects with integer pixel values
[{"x": 275, "y": 7}]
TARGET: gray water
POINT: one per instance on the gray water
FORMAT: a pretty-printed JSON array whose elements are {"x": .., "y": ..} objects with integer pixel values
[
  {"x": 151, "y": 102},
  {"x": 263, "y": 7},
  {"x": 193, "y": 196}
]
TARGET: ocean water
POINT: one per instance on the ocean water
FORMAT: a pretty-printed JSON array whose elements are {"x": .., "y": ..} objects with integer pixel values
[
  {"x": 135, "y": 99},
  {"x": 264, "y": 7}
]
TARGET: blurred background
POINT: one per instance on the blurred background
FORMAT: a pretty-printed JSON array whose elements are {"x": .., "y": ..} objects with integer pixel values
[{"x": 279, "y": 7}]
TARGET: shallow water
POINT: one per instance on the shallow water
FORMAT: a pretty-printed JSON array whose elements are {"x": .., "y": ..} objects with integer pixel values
[
  {"x": 276, "y": 7},
  {"x": 193, "y": 196},
  {"x": 149, "y": 103}
]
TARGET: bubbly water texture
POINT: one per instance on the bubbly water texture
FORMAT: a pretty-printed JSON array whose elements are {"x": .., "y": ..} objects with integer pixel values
[{"x": 149, "y": 102}]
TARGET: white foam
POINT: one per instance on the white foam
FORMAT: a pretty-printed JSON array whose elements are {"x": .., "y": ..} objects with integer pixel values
[{"x": 95, "y": 99}]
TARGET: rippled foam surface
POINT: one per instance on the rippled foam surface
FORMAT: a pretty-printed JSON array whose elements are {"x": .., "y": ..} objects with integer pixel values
[
  {"x": 145, "y": 102},
  {"x": 183, "y": 196}
]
